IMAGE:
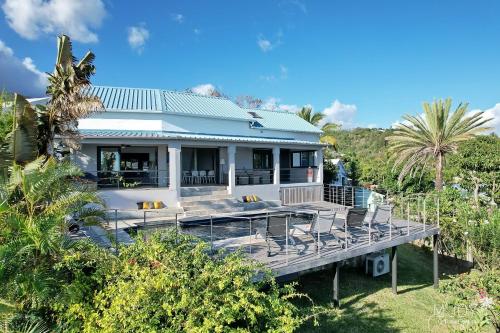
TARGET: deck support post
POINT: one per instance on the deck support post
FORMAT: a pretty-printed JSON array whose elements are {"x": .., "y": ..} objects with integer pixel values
[
  {"x": 435, "y": 242},
  {"x": 336, "y": 300},
  {"x": 394, "y": 269}
]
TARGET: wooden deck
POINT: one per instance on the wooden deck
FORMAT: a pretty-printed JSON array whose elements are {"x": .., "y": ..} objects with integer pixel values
[{"x": 304, "y": 257}]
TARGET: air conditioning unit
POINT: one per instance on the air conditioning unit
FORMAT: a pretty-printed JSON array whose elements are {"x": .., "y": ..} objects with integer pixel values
[{"x": 377, "y": 264}]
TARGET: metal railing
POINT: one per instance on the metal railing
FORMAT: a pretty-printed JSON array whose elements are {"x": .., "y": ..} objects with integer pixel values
[
  {"x": 128, "y": 178},
  {"x": 298, "y": 240},
  {"x": 254, "y": 176}
]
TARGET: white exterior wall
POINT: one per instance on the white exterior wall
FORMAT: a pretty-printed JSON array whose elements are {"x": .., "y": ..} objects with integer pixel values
[
  {"x": 157, "y": 121},
  {"x": 127, "y": 198},
  {"x": 86, "y": 157}
]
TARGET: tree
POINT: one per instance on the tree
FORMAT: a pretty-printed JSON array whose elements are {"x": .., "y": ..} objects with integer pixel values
[
  {"x": 427, "y": 140},
  {"x": 477, "y": 165},
  {"x": 249, "y": 102},
  {"x": 34, "y": 205},
  {"x": 315, "y": 119},
  {"x": 19, "y": 133},
  {"x": 69, "y": 100}
]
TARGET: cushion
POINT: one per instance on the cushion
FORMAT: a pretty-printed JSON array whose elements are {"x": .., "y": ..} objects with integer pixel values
[{"x": 146, "y": 205}]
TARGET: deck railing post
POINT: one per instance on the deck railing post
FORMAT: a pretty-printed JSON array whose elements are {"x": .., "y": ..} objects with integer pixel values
[
  {"x": 250, "y": 235},
  {"x": 286, "y": 237},
  {"x": 346, "y": 238},
  {"x": 116, "y": 230},
  {"x": 370, "y": 231},
  {"x": 425, "y": 213},
  {"x": 408, "y": 218},
  {"x": 211, "y": 235},
  {"x": 390, "y": 222},
  {"x": 318, "y": 226},
  {"x": 144, "y": 219}
]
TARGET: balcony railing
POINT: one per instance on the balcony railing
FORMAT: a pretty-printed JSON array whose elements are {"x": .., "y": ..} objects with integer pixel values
[
  {"x": 128, "y": 178},
  {"x": 254, "y": 176},
  {"x": 298, "y": 175}
]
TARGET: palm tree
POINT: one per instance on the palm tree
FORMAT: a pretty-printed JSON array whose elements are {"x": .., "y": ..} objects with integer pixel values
[
  {"x": 34, "y": 204},
  {"x": 427, "y": 139},
  {"x": 315, "y": 119},
  {"x": 69, "y": 101}
]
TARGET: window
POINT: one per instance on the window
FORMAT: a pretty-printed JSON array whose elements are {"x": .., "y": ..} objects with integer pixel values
[
  {"x": 109, "y": 158},
  {"x": 303, "y": 159},
  {"x": 262, "y": 159}
]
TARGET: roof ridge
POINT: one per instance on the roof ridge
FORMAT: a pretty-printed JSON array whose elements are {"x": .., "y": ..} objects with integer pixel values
[{"x": 195, "y": 94}]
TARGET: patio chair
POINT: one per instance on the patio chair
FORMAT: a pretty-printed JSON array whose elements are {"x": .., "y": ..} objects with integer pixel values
[
  {"x": 203, "y": 176},
  {"x": 277, "y": 229},
  {"x": 186, "y": 177},
  {"x": 321, "y": 224},
  {"x": 195, "y": 175},
  {"x": 211, "y": 176},
  {"x": 381, "y": 219},
  {"x": 355, "y": 218}
]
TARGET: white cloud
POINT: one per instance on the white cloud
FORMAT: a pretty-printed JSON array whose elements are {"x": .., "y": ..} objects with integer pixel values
[
  {"x": 197, "y": 31},
  {"x": 273, "y": 103},
  {"x": 493, "y": 114},
  {"x": 339, "y": 113},
  {"x": 76, "y": 18},
  {"x": 206, "y": 89},
  {"x": 137, "y": 37},
  {"x": 179, "y": 18},
  {"x": 265, "y": 44},
  {"x": 20, "y": 75}
]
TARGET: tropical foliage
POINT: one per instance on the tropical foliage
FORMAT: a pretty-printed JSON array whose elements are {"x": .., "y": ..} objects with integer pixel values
[
  {"x": 169, "y": 283},
  {"x": 34, "y": 206},
  {"x": 428, "y": 139},
  {"x": 19, "y": 132},
  {"x": 476, "y": 167},
  {"x": 315, "y": 119},
  {"x": 68, "y": 98}
]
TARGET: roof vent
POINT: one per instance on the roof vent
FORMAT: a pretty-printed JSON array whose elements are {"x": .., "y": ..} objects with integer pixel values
[
  {"x": 255, "y": 124},
  {"x": 254, "y": 114}
]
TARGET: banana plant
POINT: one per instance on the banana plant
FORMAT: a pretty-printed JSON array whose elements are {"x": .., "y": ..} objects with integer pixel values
[{"x": 20, "y": 145}]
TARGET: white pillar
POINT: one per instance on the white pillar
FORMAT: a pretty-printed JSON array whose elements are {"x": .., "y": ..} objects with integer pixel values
[
  {"x": 162, "y": 166},
  {"x": 319, "y": 163},
  {"x": 276, "y": 160},
  {"x": 174, "y": 151},
  {"x": 231, "y": 163}
]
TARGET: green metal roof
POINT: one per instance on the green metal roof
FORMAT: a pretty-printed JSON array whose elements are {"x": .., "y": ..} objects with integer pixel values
[
  {"x": 283, "y": 120},
  {"x": 130, "y": 134},
  {"x": 183, "y": 103}
]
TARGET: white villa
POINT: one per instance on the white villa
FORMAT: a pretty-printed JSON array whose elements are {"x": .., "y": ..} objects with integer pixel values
[{"x": 152, "y": 144}]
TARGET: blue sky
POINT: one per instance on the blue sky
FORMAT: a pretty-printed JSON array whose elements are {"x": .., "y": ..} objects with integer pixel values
[{"x": 363, "y": 63}]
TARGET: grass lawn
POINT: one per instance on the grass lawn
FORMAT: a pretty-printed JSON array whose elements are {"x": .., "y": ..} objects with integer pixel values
[{"x": 368, "y": 305}]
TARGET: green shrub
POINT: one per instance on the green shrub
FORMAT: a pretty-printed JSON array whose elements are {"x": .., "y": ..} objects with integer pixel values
[
  {"x": 172, "y": 284},
  {"x": 476, "y": 292}
]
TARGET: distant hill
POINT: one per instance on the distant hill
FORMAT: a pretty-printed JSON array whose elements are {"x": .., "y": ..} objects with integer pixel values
[{"x": 365, "y": 142}]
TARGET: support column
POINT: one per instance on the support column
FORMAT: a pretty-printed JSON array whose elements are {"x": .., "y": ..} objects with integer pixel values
[
  {"x": 394, "y": 269},
  {"x": 435, "y": 244},
  {"x": 174, "y": 152},
  {"x": 231, "y": 157},
  {"x": 276, "y": 160},
  {"x": 162, "y": 166},
  {"x": 336, "y": 299},
  {"x": 319, "y": 163}
]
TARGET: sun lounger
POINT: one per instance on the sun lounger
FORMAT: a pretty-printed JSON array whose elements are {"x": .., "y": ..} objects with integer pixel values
[{"x": 277, "y": 230}]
